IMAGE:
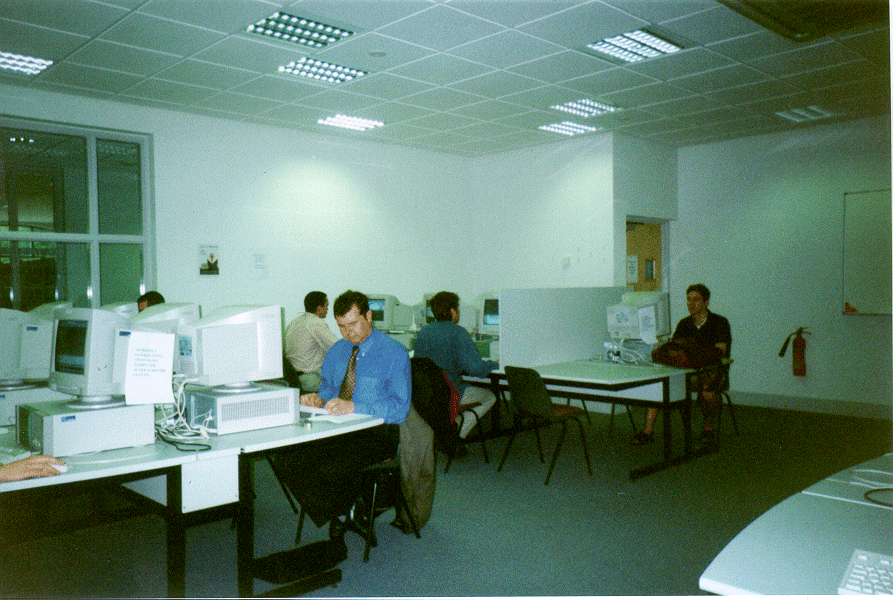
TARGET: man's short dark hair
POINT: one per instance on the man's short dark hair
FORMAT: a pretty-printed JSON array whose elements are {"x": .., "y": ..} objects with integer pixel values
[
  {"x": 314, "y": 300},
  {"x": 701, "y": 289},
  {"x": 346, "y": 301},
  {"x": 441, "y": 303},
  {"x": 151, "y": 298}
]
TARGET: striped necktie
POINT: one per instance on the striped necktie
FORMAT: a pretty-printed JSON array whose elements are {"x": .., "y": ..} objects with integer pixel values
[{"x": 350, "y": 376}]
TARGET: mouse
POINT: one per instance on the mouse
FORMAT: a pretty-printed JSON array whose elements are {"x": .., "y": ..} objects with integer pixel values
[{"x": 60, "y": 468}]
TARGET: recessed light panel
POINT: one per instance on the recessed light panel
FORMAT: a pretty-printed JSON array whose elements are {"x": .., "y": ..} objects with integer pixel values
[
  {"x": 298, "y": 30},
  {"x": 634, "y": 46},
  {"x": 585, "y": 108},
  {"x": 23, "y": 64},
  {"x": 320, "y": 70},
  {"x": 568, "y": 128},
  {"x": 807, "y": 113},
  {"x": 354, "y": 123}
]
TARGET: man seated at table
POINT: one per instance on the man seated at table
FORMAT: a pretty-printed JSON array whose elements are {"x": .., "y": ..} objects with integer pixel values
[
  {"x": 368, "y": 373},
  {"x": 451, "y": 348},
  {"x": 29, "y": 467},
  {"x": 710, "y": 329},
  {"x": 307, "y": 339}
]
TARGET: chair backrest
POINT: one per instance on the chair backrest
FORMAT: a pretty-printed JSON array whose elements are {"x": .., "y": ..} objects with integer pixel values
[
  {"x": 528, "y": 392},
  {"x": 289, "y": 373},
  {"x": 431, "y": 397}
]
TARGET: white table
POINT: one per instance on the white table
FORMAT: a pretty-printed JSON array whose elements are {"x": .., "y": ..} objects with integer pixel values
[
  {"x": 803, "y": 544},
  {"x": 653, "y": 386},
  {"x": 163, "y": 465}
]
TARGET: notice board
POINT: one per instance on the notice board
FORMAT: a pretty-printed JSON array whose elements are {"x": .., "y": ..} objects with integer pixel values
[{"x": 867, "y": 253}]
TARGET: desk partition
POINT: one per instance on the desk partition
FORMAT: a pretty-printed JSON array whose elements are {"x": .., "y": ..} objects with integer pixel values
[{"x": 553, "y": 325}]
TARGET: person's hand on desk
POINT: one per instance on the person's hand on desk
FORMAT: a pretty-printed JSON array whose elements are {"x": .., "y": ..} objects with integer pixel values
[
  {"x": 27, "y": 468},
  {"x": 312, "y": 399},
  {"x": 339, "y": 406}
]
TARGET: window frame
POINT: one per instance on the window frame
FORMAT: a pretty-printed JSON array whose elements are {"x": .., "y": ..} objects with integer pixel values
[{"x": 93, "y": 238}]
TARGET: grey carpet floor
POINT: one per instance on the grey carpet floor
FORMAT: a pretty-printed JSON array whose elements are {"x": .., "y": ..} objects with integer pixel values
[{"x": 491, "y": 534}]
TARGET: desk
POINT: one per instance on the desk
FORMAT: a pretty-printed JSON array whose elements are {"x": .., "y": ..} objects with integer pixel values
[
  {"x": 254, "y": 445},
  {"x": 161, "y": 462},
  {"x": 803, "y": 544},
  {"x": 652, "y": 386},
  {"x": 122, "y": 466}
]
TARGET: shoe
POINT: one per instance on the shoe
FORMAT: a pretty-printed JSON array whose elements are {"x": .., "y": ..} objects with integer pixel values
[
  {"x": 642, "y": 438},
  {"x": 337, "y": 527}
]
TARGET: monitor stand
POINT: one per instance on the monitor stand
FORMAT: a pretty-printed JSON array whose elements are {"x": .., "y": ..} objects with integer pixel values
[{"x": 95, "y": 402}]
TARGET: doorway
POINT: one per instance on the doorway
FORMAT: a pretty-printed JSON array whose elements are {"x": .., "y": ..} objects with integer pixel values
[{"x": 643, "y": 256}]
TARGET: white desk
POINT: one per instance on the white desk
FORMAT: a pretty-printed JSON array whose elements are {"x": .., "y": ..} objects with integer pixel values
[
  {"x": 803, "y": 544},
  {"x": 178, "y": 472},
  {"x": 653, "y": 386}
]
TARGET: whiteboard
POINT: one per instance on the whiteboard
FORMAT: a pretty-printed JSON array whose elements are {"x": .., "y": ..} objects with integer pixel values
[{"x": 867, "y": 253}]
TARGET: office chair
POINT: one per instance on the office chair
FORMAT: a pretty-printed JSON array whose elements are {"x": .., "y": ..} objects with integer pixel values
[
  {"x": 724, "y": 394},
  {"x": 432, "y": 394},
  {"x": 290, "y": 374},
  {"x": 534, "y": 409}
]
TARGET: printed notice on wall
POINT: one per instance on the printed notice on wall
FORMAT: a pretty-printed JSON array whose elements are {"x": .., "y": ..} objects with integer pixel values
[{"x": 150, "y": 360}]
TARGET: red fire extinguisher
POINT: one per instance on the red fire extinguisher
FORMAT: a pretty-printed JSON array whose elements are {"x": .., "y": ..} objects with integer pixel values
[{"x": 798, "y": 349}]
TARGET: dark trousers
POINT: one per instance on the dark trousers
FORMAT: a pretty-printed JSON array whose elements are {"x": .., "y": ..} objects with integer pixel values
[{"x": 324, "y": 475}]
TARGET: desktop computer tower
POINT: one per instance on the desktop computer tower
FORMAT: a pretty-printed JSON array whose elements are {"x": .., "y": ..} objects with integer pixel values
[
  {"x": 224, "y": 411},
  {"x": 56, "y": 429}
]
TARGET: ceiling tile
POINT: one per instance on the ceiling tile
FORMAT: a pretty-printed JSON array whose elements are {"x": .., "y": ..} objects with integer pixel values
[
  {"x": 712, "y": 25},
  {"x": 255, "y": 55},
  {"x": 440, "y": 28},
  {"x": 442, "y": 99},
  {"x": 237, "y": 104},
  {"x": 278, "y": 88},
  {"x": 80, "y": 18},
  {"x": 107, "y": 55},
  {"x": 496, "y": 84},
  {"x": 512, "y": 13},
  {"x": 385, "y": 86},
  {"x": 91, "y": 78},
  {"x": 645, "y": 95},
  {"x": 232, "y": 17},
  {"x": 695, "y": 60},
  {"x": 441, "y": 69},
  {"x": 576, "y": 27},
  {"x": 371, "y": 52},
  {"x": 718, "y": 79},
  {"x": 563, "y": 66},
  {"x": 166, "y": 36},
  {"x": 505, "y": 49},
  {"x": 30, "y": 40},
  {"x": 211, "y": 75},
  {"x": 168, "y": 91}
]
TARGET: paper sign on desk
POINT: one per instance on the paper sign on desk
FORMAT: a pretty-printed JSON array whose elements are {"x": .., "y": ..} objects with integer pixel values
[
  {"x": 150, "y": 360},
  {"x": 648, "y": 324}
]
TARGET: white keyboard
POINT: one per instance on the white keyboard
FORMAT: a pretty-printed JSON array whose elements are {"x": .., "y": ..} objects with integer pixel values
[
  {"x": 10, "y": 454},
  {"x": 867, "y": 573}
]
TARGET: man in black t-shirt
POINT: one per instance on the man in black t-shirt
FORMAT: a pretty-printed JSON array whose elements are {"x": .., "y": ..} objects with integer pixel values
[{"x": 710, "y": 329}]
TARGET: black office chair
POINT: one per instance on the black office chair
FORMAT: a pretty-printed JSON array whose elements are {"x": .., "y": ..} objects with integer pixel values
[
  {"x": 431, "y": 399},
  {"x": 290, "y": 374},
  {"x": 534, "y": 409}
]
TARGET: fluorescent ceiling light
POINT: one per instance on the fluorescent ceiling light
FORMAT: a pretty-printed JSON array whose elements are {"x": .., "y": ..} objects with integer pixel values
[
  {"x": 23, "y": 64},
  {"x": 807, "y": 113},
  {"x": 585, "y": 108},
  {"x": 299, "y": 30},
  {"x": 568, "y": 128},
  {"x": 355, "y": 123},
  {"x": 634, "y": 46},
  {"x": 320, "y": 70}
]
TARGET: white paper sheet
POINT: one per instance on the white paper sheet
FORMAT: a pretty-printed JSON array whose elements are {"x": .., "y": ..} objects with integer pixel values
[{"x": 150, "y": 360}]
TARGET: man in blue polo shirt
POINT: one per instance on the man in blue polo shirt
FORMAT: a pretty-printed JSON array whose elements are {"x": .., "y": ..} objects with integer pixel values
[{"x": 366, "y": 372}]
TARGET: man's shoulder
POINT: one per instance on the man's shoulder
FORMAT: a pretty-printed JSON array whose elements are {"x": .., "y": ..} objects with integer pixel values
[
  {"x": 719, "y": 318},
  {"x": 441, "y": 329}
]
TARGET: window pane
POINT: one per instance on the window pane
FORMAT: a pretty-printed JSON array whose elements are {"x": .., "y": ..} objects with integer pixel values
[
  {"x": 118, "y": 172},
  {"x": 43, "y": 272},
  {"x": 120, "y": 272},
  {"x": 44, "y": 182}
]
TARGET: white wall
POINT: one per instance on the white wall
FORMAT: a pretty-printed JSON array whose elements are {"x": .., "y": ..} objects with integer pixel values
[{"x": 761, "y": 224}]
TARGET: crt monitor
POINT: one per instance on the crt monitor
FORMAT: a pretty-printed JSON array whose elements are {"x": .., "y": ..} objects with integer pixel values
[
  {"x": 232, "y": 347},
  {"x": 127, "y": 309},
  {"x": 383, "y": 307},
  {"x": 167, "y": 316},
  {"x": 83, "y": 356},
  {"x": 640, "y": 316},
  {"x": 47, "y": 310},
  {"x": 488, "y": 314},
  {"x": 25, "y": 348}
]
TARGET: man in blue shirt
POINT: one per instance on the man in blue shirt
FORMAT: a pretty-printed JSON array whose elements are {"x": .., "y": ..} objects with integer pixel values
[
  {"x": 451, "y": 348},
  {"x": 324, "y": 476}
]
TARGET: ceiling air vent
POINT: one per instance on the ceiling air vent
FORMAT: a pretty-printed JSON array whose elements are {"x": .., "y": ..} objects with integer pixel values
[{"x": 803, "y": 20}]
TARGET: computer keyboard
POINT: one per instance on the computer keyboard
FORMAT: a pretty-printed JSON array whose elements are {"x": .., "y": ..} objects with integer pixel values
[
  {"x": 10, "y": 454},
  {"x": 867, "y": 573}
]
